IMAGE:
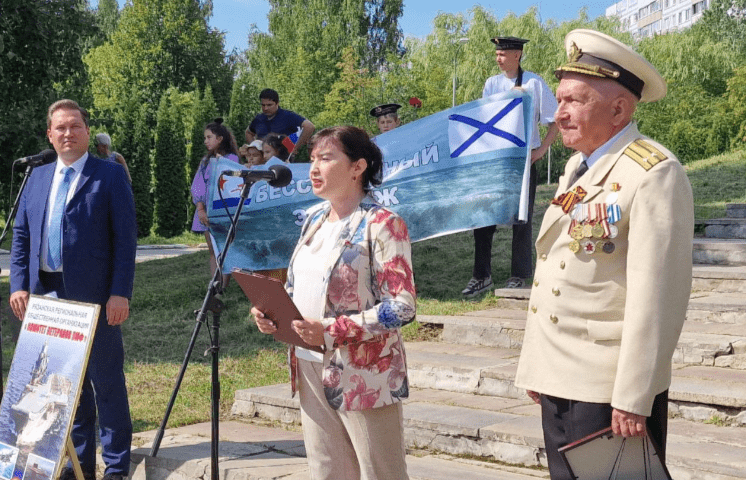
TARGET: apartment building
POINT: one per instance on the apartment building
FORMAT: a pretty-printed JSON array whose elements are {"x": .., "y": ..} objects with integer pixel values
[{"x": 645, "y": 18}]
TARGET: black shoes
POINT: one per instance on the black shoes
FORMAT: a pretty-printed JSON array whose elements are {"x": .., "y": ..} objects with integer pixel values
[{"x": 68, "y": 473}]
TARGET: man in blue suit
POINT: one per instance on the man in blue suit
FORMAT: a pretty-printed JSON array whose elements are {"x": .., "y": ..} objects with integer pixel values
[{"x": 75, "y": 238}]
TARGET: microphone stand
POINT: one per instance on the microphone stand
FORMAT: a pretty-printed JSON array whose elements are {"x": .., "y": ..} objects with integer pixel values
[
  {"x": 11, "y": 218},
  {"x": 212, "y": 304}
]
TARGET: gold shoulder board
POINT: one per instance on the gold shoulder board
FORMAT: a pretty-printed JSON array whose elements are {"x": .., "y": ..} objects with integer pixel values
[{"x": 645, "y": 154}]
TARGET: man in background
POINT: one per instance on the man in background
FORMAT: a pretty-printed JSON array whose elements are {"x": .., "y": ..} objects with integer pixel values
[
  {"x": 75, "y": 238},
  {"x": 274, "y": 119},
  {"x": 508, "y": 54},
  {"x": 614, "y": 268}
]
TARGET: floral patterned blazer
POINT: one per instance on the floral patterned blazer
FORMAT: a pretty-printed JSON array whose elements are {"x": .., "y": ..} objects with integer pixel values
[{"x": 370, "y": 294}]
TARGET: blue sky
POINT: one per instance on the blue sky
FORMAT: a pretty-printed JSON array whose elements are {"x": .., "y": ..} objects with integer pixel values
[{"x": 235, "y": 17}]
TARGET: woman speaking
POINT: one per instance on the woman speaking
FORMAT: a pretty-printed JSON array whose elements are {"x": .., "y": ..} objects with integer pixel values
[{"x": 351, "y": 278}]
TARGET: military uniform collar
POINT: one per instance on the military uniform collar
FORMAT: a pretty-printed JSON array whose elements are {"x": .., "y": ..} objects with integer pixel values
[{"x": 601, "y": 151}]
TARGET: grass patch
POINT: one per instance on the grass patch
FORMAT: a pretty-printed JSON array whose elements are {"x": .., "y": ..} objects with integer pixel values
[
  {"x": 186, "y": 238},
  {"x": 716, "y": 420},
  {"x": 717, "y": 181}
]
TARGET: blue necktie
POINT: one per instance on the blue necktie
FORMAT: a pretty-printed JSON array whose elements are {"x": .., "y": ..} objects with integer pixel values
[{"x": 54, "y": 238}]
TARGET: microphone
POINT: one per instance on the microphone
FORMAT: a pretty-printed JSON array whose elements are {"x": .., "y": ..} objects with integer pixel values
[
  {"x": 277, "y": 176},
  {"x": 46, "y": 156}
]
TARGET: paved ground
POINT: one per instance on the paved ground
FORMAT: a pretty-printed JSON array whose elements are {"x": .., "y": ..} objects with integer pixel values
[
  {"x": 144, "y": 253},
  {"x": 252, "y": 452}
]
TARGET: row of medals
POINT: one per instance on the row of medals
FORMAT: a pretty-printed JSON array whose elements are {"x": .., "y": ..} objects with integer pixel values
[{"x": 592, "y": 226}]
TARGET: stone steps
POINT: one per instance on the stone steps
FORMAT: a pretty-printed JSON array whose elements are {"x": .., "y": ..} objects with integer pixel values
[
  {"x": 719, "y": 278},
  {"x": 709, "y": 307},
  {"x": 509, "y": 430},
  {"x": 700, "y": 343},
  {"x": 490, "y": 371},
  {"x": 735, "y": 210},
  {"x": 732, "y": 226},
  {"x": 713, "y": 251}
]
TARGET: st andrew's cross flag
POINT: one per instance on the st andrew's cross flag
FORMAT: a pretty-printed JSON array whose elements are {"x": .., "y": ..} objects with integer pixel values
[{"x": 459, "y": 169}]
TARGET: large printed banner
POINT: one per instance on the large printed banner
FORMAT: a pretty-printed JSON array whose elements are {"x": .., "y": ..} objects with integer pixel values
[{"x": 456, "y": 170}]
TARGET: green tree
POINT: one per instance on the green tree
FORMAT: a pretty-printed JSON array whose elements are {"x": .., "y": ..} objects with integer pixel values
[
  {"x": 724, "y": 21},
  {"x": 384, "y": 34},
  {"x": 299, "y": 54},
  {"x": 158, "y": 44},
  {"x": 169, "y": 167},
  {"x": 244, "y": 102},
  {"x": 136, "y": 145},
  {"x": 736, "y": 106},
  {"x": 349, "y": 100},
  {"x": 41, "y": 44},
  {"x": 107, "y": 16}
]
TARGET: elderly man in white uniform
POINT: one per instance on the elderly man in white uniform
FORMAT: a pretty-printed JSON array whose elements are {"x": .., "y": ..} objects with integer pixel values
[{"x": 614, "y": 259}]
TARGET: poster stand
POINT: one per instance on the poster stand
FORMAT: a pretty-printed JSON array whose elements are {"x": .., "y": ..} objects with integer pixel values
[
  {"x": 43, "y": 389},
  {"x": 70, "y": 450}
]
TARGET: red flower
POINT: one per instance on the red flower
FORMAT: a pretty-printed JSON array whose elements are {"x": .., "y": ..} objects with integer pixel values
[
  {"x": 381, "y": 216},
  {"x": 415, "y": 102},
  {"x": 398, "y": 228},
  {"x": 346, "y": 329},
  {"x": 366, "y": 354},
  {"x": 362, "y": 397},
  {"x": 397, "y": 276},
  {"x": 343, "y": 287}
]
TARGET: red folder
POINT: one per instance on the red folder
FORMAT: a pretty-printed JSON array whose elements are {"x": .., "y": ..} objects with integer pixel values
[{"x": 269, "y": 295}]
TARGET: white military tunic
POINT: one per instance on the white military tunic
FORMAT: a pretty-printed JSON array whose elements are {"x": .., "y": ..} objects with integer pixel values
[{"x": 602, "y": 327}]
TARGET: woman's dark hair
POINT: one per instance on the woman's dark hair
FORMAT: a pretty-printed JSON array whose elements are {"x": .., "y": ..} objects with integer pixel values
[
  {"x": 227, "y": 145},
  {"x": 356, "y": 144},
  {"x": 274, "y": 140}
]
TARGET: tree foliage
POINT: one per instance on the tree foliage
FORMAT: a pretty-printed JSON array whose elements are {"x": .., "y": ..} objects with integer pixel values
[
  {"x": 107, "y": 16},
  {"x": 244, "y": 102},
  {"x": 736, "y": 106},
  {"x": 169, "y": 170},
  {"x": 299, "y": 55},
  {"x": 135, "y": 141},
  {"x": 41, "y": 46},
  {"x": 158, "y": 44},
  {"x": 347, "y": 102}
]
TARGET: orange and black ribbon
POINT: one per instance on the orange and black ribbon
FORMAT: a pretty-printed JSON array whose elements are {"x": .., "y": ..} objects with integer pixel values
[{"x": 569, "y": 199}]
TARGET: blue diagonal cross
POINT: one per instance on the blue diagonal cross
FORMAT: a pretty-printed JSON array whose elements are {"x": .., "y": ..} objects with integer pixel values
[{"x": 487, "y": 127}]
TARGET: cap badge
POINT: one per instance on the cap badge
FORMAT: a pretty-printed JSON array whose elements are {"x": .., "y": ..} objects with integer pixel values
[{"x": 575, "y": 53}]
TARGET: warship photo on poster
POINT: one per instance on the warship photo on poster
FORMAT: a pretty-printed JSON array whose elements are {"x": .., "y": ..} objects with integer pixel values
[
  {"x": 38, "y": 468},
  {"x": 43, "y": 387}
]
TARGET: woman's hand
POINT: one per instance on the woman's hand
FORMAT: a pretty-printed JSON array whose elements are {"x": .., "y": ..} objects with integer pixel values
[
  {"x": 310, "y": 330},
  {"x": 202, "y": 214},
  {"x": 264, "y": 324}
]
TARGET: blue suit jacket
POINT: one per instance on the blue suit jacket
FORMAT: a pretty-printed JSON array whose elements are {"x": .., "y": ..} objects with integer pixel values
[{"x": 100, "y": 234}]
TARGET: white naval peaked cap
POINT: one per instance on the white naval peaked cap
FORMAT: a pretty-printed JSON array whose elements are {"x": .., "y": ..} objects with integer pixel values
[{"x": 598, "y": 55}]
